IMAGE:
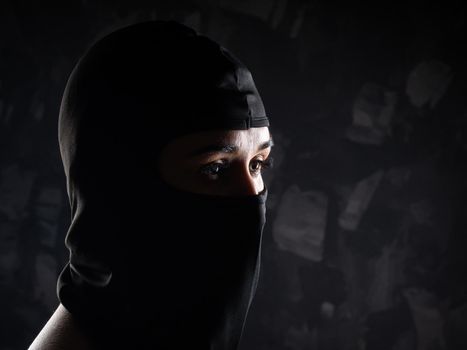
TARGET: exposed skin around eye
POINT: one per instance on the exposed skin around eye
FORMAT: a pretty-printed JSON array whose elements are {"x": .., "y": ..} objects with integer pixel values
[{"x": 219, "y": 162}]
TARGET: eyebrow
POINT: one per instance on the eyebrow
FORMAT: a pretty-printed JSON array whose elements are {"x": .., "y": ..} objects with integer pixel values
[{"x": 227, "y": 148}]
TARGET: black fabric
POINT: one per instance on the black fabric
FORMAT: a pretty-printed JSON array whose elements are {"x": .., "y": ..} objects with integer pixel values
[{"x": 152, "y": 266}]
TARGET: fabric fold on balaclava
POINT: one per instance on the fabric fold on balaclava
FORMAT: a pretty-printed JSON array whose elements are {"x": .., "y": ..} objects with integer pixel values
[{"x": 152, "y": 266}]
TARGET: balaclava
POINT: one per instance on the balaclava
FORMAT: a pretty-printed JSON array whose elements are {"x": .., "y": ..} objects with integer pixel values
[{"x": 152, "y": 266}]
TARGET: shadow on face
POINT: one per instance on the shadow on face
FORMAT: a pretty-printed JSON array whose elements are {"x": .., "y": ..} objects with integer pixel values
[{"x": 219, "y": 162}]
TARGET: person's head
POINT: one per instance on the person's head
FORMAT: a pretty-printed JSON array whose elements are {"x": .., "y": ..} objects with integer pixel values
[
  {"x": 163, "y": 137},
  {"x": 158, "y": 90}
]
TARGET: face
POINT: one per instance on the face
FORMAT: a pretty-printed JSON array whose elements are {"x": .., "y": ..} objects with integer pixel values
[{"x": 220, "y": 162}]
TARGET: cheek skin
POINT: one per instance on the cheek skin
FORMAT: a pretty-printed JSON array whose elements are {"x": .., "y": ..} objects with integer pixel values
[
  {"x": 259, "y": 184},
  {"x": 244, "y": 181}
]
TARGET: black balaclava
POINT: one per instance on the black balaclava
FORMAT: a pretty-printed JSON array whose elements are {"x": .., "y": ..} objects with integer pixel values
[{"x": 152, "y": 266}]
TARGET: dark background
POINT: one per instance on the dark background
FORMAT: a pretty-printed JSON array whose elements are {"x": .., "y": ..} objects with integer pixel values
[{"x": 365, "y": 242}]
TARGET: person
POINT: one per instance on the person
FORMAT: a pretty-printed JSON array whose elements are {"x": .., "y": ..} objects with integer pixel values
[{"x": 163, "y": 137}]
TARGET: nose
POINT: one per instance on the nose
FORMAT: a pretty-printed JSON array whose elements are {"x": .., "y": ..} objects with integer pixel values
[{"x": 247, "y": 184}]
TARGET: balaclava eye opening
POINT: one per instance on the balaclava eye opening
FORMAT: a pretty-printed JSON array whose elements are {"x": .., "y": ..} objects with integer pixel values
[{"x": 153, "y": 267}]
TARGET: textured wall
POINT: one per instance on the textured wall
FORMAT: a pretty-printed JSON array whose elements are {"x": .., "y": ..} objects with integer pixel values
[{"x": 364, "y": 245}]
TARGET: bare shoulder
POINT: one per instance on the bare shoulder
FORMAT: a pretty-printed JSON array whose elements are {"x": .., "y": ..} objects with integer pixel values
[{"x": 61, "y": 332}]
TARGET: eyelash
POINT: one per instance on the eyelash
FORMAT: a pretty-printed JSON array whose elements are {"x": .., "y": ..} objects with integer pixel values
[{"x": 216, "y": 168}]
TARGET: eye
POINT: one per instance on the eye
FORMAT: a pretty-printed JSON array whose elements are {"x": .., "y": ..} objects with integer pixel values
[
  {"x": 213, "y": 170},
  {"x": 216, "y": 169},
  {"x": 258, "y": 165}
]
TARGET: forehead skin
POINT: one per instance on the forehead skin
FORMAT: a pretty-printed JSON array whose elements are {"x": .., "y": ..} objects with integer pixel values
[{"x": 181, "y": 159}]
